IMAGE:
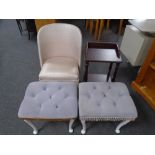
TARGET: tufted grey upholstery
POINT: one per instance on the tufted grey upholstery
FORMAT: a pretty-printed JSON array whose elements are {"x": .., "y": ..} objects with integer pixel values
[
  {"x": 49, "y": 100},
  {"x": 105, "y": 101}
]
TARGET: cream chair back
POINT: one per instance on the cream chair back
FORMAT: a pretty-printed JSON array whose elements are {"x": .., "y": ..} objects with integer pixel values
[{"x": 59, "y": 40}]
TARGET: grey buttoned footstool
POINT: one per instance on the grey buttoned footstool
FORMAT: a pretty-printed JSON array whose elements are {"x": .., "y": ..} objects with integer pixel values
[
  {"x": 49, "y": 101},
  {"x": 105, "y": 101}
]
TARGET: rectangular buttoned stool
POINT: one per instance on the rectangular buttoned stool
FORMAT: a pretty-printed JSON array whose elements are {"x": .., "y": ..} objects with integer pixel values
[
  {"x": 49, "y": 101},
  {"x": 105, "y": 101}
]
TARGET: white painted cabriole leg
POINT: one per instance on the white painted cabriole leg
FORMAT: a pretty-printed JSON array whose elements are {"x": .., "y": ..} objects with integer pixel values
[
  {"x": 83, "y": 131},
  {"x": 35, "y": 131},
  {"x": 121, "y": 125},
  {"x": 70, "y": 125}
]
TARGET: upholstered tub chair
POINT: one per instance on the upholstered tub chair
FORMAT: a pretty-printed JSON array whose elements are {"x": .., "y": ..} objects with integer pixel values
[{"x": 59, "y": 47}]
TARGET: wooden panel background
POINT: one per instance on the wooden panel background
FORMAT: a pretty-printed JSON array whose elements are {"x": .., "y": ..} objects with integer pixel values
[
  {"x": 145, "y": 80},
  {"x": 41, "y": 22}
]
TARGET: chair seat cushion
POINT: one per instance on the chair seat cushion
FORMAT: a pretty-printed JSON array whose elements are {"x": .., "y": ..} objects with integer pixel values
[
  {"x": 105, "y": 101},
  {"x": 49, "y": 100},
  {"x": 60, "y": 69}
]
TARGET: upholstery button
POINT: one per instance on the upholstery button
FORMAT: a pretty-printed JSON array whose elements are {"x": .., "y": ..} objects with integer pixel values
[
  {"x": 98, "y": 104},
  {"x": 109, "y": 87},
  {"x": 88, "y": 95},
  {"x": 114, "y": 103},
  {"x": 94, "y": 87},
  {"x": 66, "y": 95},
  {"x": 104, "y": 95},
  {"x": 44, "y": 88},
  {"x": 59, "y": 87},
  {"x": 50, "y": 96},
  {"x": 32, "y": 95},
  {"x": 56, "y": 106}
]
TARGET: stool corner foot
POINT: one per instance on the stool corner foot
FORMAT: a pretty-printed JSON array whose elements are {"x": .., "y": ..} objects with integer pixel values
[
  {"x": 83, "y": 131},
  {"x": 117, "y": 131},
  {"x": 35, "y": 132},
  {"x": 71, "y": 130}
]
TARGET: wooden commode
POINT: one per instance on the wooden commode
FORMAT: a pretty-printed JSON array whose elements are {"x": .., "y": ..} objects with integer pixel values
[{"x": 145, "y": 80}]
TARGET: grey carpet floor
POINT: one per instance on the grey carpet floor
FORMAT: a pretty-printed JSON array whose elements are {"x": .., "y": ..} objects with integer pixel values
[{"x": 19, "y": 65}]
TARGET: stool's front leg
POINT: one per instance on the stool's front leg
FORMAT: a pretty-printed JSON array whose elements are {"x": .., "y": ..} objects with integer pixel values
[
  {"x": 70, "y": 125},
  {"x": 83, "y": 131},
  {"x": 121, "y": 125},
  {"x": 35, "y": 131}
]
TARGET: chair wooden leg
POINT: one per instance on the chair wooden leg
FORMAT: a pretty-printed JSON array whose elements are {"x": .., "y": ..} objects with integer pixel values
[
  {"x": 108, "y": 23},
  {"x": 120, "y": 26},
  {"x": 96, "y": 28},
  {"x": 101, "y": 28}
]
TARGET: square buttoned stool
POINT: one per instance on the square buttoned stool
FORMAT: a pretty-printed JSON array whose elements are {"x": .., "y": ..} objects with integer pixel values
[
  {"x": 49, "y": 101},
  {"x": 105, "y": 101}
]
